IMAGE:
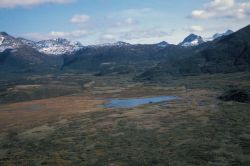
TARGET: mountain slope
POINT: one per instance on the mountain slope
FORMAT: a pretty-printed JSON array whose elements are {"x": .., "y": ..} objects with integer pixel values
[
  {"x": 228, "y": 54},
  {"x": 8, "y": 42},
  {"x": 54, "y": 46},
  {"x": 50, "y": 47},
  {"x": 134, "y": 57},
  {"x": 218, "y": 35},
  {"x": 18, "y": 56},
  {"x": 163, "y": 44},
  {"x": 57, "y": 46},
  {"x": 192, "y": 40}
]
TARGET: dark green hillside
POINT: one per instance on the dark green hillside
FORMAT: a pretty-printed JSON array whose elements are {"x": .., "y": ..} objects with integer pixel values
[
  {"x": 227, "y": 55},
  {"x": 110, "y": 59},
  {"x": 27, "y": 59}
]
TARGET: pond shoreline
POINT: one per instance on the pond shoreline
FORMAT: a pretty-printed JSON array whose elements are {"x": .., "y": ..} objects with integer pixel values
[{"x": 135, "y": 102}]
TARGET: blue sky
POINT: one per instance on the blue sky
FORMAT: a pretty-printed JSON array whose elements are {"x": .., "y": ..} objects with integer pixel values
[{"x": 134, "y": 21}]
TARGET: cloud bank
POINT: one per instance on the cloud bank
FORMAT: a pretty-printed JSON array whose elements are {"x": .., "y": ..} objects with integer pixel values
[
  {"x": 29, "y": 3},
  {"x": 196, "y": 28},
  {"x": 223, "y": 9},
  {"x": 79, "y": 18},
  {"x": 56, "y": 34}
]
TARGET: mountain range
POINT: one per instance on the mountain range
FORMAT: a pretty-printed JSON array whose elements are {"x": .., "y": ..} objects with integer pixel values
[
  {"x": 227, "y": 52},
  {"x": 50, "y": 47},
  {"x": 62, "y": 46}
]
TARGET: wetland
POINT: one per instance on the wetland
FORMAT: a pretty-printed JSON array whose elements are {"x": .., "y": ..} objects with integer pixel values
[{"x": 68, "y": 127}]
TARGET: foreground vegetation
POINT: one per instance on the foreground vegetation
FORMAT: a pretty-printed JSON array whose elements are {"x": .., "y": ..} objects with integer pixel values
[{"x": 198, "y": 129}]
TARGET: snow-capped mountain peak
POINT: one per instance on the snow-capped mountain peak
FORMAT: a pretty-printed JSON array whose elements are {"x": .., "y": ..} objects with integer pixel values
[
  {"x": 27, "y": 42},
  {"x": 218, "y": 35},
  {"x": 8, "y": 42},
  {"x": 192, "y": 40},
  {"x": 116, "y": 44},
  {"x": 121, "y": 43},
  {"x": 163, "y": 44},
  {"x": 57, "y": 46}
]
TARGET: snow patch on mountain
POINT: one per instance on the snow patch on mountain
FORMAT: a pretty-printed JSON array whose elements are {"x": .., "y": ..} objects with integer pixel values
[
  {"x": 219, "y": 35},
  {"x": 8, "y": 42},
  {"x": 27, "y": 42},
  {"x": 116, "y": 44},
  {"x": 192, "y": 40},
  {"x": 54, "y": 46},
  {"x": 57, "y": 46},
  {"x": 1, "y": 40},
  {"x": 162, "y": 44},
  {"x": 50, "y": 47}
]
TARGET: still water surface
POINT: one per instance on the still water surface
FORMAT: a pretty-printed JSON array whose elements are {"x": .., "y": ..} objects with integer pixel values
[{"x": 134, "y": 102}]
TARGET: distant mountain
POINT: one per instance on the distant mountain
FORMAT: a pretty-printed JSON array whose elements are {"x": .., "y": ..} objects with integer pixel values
[
  {"x": 8, "y": 42},
  {"x": 120, "y": 43},
  {"x": 192, "y": 40},
  {"x": 15, "y": 46},
  {"x": 163, "y": 44},
  {"x": 219, "y": 35},
  {"x": 65, "y": 47},
  {"x": 19, "y": 55},
  {"x": 27, "y": 42},
  {"x": 226, "y": 54},
  {"x": 118, "y": 57},
  {"x": 55, "y": 46},
  {"x": 116, "y": 44},
  {"x": 50, "y": 47}
]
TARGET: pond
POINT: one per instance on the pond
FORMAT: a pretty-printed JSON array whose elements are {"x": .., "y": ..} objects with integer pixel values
[{"x": 134, "y": 102}]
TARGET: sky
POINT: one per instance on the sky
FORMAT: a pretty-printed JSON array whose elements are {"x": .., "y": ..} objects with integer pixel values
[{"x": 133, "y": 21}]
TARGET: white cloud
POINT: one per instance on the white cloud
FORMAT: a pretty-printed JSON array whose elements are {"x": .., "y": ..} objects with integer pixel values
[
  {"x": 137, "y": 12},
  {"x": 222, "y": 4},
  {"x": 108, "y": 38},
  {"x": 136, "y": 25},
  {"x": 196, "y": 28},
  {"x": 79, "y": 18},
  {"x": 201, "y": 14},
  {"x": 144, "y": 33},
  {"x": 28, "y": 3},
  {"x": 69, "y": 35},
  {"x": 150, "y": 35},
  {"x": 223, "y": 9},
  {"x": 131, "y": 16},
  {"x": 77, "y": 34},
  {"x": 127, "y": 22}
]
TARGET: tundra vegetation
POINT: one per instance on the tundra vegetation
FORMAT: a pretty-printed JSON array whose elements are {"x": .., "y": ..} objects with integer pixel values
[{"x": 52, "y": 107}]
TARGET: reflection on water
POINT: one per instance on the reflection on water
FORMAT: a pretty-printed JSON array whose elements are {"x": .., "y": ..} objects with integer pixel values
[{"x": 134, "y": 102}]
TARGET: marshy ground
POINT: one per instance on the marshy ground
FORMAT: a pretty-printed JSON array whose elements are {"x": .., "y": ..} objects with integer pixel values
[{"x": 61, "y": 120}]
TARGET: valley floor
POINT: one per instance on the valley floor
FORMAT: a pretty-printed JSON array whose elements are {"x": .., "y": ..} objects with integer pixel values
[{"x": 61, "y": 120}]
